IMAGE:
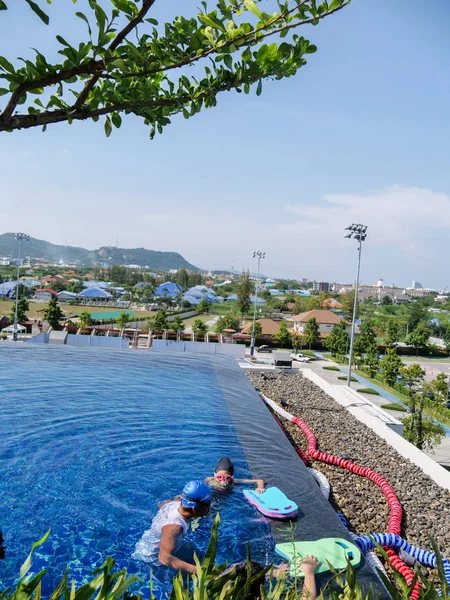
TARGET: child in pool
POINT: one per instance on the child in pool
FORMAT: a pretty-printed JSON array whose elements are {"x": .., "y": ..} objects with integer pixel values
[{"x": 224, "y": 477}]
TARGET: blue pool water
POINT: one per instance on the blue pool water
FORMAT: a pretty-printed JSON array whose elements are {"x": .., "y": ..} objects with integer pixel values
[{"x": 91, "y": 440}]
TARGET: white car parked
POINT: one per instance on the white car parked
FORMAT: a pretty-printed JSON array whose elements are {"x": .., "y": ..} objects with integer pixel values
[{"x": 300, "y": 357}]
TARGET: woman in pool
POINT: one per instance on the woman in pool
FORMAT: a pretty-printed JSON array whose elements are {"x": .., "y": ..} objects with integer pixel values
[{"x": 224, "y": 477}]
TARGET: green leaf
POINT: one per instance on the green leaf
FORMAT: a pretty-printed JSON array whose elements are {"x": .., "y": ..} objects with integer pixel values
[
  {"x": 311, "y": 49},
  {"x": 123, "y": 6},
  {"x": 116, "y": 119},
  {"x": 119, "y": 63},
  {"x": 101, "y": 17},
  {"x": 85, "y": 19},
  {"x": 108, "y": 127},
  {"x": 3, "y": 5},
  {"x": 212, "y": 22},
  {"x": 259, "y": 88},
  {"x": 40, "y": 13},
  {"x": 334, "y": 4},
  {"x": 228, "y": 61},
  {"x": 252, "y": 7},
  {"x": 27, "y": 564},
  {"x": 3, "y": 91},
  {"x": 62, "y": 41},
  {"x": 6, "y": 65},
  {"x": 186, "y": 114},
  {"x": 209, "y": 33}
]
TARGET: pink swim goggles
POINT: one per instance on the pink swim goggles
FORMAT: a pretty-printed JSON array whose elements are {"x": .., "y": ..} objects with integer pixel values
[{"x": 225, "y": 478}]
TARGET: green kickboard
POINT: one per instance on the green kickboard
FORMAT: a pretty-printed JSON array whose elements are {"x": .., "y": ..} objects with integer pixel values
[{"x": 334, "y": 550}]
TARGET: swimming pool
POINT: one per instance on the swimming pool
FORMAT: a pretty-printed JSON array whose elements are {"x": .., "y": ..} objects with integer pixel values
[{"x": 91, "y": 440}]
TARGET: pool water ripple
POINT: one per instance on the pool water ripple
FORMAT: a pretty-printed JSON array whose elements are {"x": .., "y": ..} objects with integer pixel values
[{"x": 91, "y": 441}]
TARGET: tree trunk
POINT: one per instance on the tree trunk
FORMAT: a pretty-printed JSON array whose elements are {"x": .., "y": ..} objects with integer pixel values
[{"x": 420, "y": 423}]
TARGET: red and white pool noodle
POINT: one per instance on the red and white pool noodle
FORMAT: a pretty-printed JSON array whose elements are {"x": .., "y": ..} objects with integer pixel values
[{"x": 396, "y": 511}]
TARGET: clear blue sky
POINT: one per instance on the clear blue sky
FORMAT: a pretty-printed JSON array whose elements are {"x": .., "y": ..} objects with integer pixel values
[{"x": 361, "y": 134}]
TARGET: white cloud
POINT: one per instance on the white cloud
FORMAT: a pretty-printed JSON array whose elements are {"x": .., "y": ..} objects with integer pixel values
[{"x": 398, "y": 216}]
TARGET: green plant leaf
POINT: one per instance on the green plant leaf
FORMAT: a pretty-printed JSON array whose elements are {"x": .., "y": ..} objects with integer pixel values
[
  {"x": 84, "y": 18},
  {"x": 334, "y": 4},
  {"x": 209, "y": 33},
  {"x": 311, "y": 49},
  {"x": 3, "y": 91},
  {"x": 6, "y": 65},
  {"x": 40, "y": 13},
  {"x": 253, "y": 8},
  {"x": 228, "y": 61},
  {"x": 108, "y": 126},
  {"x": 259, "y": 88},
  {"x": 116, "y": 119},
  {"x": 3, "y": 5},
  {"x": 62, "y": 41},
  {"x": 27, "y": 564},
  {"x": 212, "y": 22}
]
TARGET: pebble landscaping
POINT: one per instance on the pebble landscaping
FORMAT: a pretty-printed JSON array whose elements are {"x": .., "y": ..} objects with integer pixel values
[{"x": 426, "y": 505}]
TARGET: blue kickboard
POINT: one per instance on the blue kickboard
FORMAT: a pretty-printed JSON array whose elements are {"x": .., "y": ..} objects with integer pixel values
[{"x": 273, "y": 503}]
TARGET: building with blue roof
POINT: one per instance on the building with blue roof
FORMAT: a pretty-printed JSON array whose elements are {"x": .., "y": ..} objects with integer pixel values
[
  {"x": 258, "y": 300},
  {"x": 100, "y": 285},
  {"x": 197, "y": 293},
  {"x": 7, "y": 289},
  {"x": 168, "y": 290},
  {"x": 92, "y": 293}
]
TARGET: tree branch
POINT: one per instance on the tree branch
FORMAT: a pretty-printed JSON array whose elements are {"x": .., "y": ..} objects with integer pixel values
[
  {"x": 85, "y": 69},
  {"x": 238, "y": 40},
  {"x": 81, "y": 114},
  {"x": 146, "y": 5},
  {"x": 214, "y": 50}
]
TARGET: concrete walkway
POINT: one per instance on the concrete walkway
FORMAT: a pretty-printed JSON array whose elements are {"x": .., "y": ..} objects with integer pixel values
[{"x": 440, "y": 454}]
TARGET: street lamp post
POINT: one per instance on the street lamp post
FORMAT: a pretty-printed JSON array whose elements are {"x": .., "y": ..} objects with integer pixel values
[
  {"x": 20, "y": 237},
  {"x": 259, "y": 255},
  {"x": 359, "y": 232}
]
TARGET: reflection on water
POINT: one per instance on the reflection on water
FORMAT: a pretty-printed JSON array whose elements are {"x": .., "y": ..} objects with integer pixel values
[{"x": 92, "y": 441}]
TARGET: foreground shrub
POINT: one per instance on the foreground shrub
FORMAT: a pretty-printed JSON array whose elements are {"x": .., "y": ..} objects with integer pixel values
[{"x": 215, "y": 582}]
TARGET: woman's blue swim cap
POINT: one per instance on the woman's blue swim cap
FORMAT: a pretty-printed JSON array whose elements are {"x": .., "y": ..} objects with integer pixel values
[{"x": 196, "y": 493}]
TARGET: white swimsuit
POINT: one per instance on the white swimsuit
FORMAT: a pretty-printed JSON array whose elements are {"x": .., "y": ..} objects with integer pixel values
[{"x": 147, "y": 549}]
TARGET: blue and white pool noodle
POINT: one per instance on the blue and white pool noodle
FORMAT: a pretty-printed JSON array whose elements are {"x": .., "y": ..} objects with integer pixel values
[{"x": 425, "y": 557}]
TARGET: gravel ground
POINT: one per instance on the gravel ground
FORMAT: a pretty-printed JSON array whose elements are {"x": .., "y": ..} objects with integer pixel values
[{"x": 426, "y": 506}]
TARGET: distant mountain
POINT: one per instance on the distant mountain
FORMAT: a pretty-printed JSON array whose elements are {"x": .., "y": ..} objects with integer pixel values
[{"x": 160, "y": 261}]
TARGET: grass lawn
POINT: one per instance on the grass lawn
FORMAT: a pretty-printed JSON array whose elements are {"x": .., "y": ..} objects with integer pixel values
[
  {"x": 189, "y": 322},
  {"x": 393, "y": 406},
  {"x": 37, "y": 308},
  {"x": 334, "y": 358},
  {"x": 427, "y": 410}
]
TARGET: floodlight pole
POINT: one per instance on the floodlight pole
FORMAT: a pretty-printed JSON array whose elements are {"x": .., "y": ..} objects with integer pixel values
[
  {"x": 259, "y": 255},
  {"x": 19, "y": 237},
  {"x": 358, "y": 231}
]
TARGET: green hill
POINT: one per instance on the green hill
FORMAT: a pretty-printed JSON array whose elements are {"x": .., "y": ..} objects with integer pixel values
[{"x": 40, "y": 249}]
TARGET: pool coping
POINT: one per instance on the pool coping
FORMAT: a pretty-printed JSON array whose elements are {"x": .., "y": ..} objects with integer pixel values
[{"x": 271, "y": 456}]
